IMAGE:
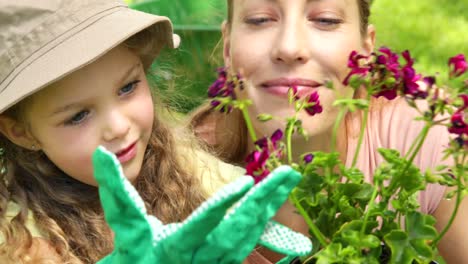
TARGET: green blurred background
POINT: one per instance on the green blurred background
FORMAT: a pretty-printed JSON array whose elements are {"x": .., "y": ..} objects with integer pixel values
[{"x": 433, "y": 30}]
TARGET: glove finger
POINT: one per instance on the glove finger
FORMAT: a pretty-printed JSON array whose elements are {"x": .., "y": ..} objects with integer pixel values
[
  {"x": 283, "y": 240},
  {"x": 194, "y": 230},
  {"x": 114, "y": 186},
  {"x": 123, "y": 208},
  {"x": 246, "y": 221}
]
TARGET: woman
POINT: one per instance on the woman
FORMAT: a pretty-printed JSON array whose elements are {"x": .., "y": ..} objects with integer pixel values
[{"x": 278, "y": 44}]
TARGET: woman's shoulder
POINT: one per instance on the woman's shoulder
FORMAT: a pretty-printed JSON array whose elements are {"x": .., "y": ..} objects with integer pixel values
[
  {"x": 203, "y": 122},
  {"x": 214, "y": 173},
  {"x": 395, "y": 124}
]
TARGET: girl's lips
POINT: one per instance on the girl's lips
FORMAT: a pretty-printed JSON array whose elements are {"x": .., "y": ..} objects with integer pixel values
[{"x": 127, "y": 154}]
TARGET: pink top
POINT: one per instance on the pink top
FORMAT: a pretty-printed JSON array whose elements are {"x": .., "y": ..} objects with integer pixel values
[
  {"x": 396, "y": 128},
  {"x": 391, "y": 125}
]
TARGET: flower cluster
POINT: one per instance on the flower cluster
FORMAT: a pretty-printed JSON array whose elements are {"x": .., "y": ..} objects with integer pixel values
[
  {"x": 387, "y": 75},
  {"x": 223, "y": 90},
  {"x": 389, "y": 78}
]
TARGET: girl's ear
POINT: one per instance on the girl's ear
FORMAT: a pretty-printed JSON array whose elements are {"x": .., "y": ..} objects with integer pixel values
[
  {"x": 226, "y": 44},
  {"x": 369, "y": 40},
  {"x": 17, "y": 133}
]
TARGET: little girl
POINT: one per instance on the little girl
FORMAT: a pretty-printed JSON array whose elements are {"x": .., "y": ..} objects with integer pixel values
[{"x": 73, "y": 77}]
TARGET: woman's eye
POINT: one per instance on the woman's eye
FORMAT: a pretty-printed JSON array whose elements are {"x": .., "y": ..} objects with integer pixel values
[
  {"x": 78, "y": 118},
  {"x": 129, "y": 88},
  {"x": 327, "y": 22},
  {"x": 258, "y": 20}
]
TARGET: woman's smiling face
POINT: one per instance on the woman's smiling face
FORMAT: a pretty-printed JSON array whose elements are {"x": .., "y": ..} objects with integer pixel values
[{"x": 279, "y": 43}]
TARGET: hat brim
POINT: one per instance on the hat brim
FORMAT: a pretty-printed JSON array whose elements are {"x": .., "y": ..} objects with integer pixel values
[{"x": 81, "y": 46}]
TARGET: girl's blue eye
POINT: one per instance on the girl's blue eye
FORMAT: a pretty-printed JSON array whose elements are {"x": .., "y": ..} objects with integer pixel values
[
  {"x": 129, "y": 88},
  {"x": 77, "y": 118}
]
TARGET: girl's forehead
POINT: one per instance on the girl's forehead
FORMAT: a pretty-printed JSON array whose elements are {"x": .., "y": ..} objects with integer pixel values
[{"x": 110, "y": 71}]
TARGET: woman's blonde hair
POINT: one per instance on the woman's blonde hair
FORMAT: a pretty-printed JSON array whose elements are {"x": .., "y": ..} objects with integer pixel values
[{"x": 60, "y": 203}]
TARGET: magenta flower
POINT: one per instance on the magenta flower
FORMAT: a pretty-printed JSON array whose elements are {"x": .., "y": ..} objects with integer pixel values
[
  {"x": 222, "y": 88},
  {"x": 458, "y": 64},
  {"x": 217, "y": 88},
  {"x": 256, "y": 164},
  {"x": 313, "y": 104},
  {"x": 390, "y": 62},
  {"x": 271, "y": 143},
  {"x": 389, "y": 93},
  {"x": 357, "y": 67},
  {"x": 429, "y": 81},
  {"x": 410, "y": 78},
  {"x": 276, "y": 136},
  {"x": 458, "y": 124},
  {"x": 257, "y": 160},
  {"x": 308, "y": 158},
  {"x": 464, "y": 97}
]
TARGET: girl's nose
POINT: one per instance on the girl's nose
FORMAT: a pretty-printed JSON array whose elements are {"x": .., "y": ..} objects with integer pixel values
[
  {"x": 291, "y": 44},
  {"x": 116, "y": 126}
]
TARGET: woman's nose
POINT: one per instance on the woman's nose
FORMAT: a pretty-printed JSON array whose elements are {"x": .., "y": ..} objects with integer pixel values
[
  {"x": 291, "y": 44},
  {"x": 117, "y": 125}
]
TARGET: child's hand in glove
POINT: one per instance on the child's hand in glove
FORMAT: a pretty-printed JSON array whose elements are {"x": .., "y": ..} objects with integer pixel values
[{"x": 224, "y": 229}]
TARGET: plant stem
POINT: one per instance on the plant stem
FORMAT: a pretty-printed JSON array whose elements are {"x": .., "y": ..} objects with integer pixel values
[
  {"x": 315, "y": 231},
  {"x": 363, "y": 130},
  {"x": 248, "y": 123},
  {"x": 288, "y": 138},
  {"x": 369, "y": 207},
  {"x": 422, "y": 138},
  {"x": 415, "y": 142},
  {"x": 457, "y": 205},
  {"x": 339, "y": 118}
]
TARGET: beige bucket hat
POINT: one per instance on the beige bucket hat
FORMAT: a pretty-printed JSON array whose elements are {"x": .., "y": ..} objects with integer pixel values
[{"x": 41, "y": 41}]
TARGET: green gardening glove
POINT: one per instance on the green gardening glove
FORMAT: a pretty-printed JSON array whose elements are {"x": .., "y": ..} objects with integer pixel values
[{"x": 224, "y": 229}]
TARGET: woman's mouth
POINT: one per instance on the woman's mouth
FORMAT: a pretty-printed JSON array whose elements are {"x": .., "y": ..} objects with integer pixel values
[
  {"x": 281, "y": 86},
  {"x": 127, "y": 154}
]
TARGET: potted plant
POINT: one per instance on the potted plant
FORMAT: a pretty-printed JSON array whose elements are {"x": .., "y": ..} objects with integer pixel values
[{"x": 350, "y": 220}]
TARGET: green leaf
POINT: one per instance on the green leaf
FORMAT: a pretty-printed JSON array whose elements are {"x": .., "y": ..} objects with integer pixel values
[
  {"x": 353, "y": 174},
  {"x": 400, "y": 247},
  {"x": 408, "y": 177},
  {"x": 413, "y": 245},
  {"x": 331, "y": 254},
  {"x": 355, "y": 238},
  {"x": 365, "y": 192}
]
